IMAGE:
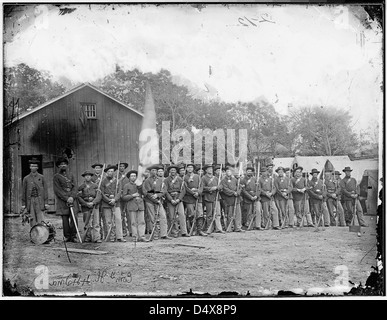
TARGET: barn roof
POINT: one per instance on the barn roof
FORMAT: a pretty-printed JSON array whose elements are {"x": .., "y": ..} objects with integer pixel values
[{"x": 83, "y": 85}]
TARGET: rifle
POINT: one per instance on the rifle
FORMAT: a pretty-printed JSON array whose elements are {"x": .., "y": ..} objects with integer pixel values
[
  {"x": 256, "y": 194},
  {"x": 157, "y": 216},
  {"x": 216, "y": 201},
  {"x": 271, "y": 203},
  {"x": 88, "y": 218},
  {"x": 321, "y": 218},
  {"x": 196, "y": 204},
  {"x": 304, "y": 201},
  {"x": 175, "y": 213},
  {"x": 286, "y": 208},
  {"x": 113, "y": 209},
  {"x": 235, "y": 203}
]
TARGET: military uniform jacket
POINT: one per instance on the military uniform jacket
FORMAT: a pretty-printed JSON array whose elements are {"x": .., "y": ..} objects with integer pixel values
[
  {"x": 298, "y": 183},
  {"x": 249, "y": 189},
  {"x": 229, "y": 186},
  {"x": 110, "y": 190},
  {"x": 266, "y": 185},
  {"x": 192, "y": 184},
  {"x": 209, "y": 182},
  {"x": 316, "y": 189},
  {"x": 348, "y": 186},
  {"x": 331, "y": 188},
  {"x": 37, "y": 182},
  {"x": 88, "y": 193},
  {"x": 282, "y": 185},
  {"x": 132, "y": 203},
  {"x": 124, "y": 180},
  {"x": 151, "y": 186},
  {"x": 64, "y": 188},
  {"x": 174, "y": 188}
]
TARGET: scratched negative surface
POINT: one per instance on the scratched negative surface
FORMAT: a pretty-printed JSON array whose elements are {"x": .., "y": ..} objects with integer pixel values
[{"x": 147, "y": 84}]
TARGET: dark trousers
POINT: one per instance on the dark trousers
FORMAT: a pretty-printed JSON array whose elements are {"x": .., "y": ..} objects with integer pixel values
[{"x": 69, "y": 230}]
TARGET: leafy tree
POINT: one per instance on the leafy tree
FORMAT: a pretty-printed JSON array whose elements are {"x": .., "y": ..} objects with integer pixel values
[
  {"x": 26, "y": 88},
  {"x": 323, "y": 131}
]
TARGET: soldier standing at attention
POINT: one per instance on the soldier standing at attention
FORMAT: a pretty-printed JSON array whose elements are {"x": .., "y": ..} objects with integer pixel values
[
  {"x": 132, "y": 198},
  {"x": 89, "y": 197},
  {"x": 125, "y": 217},
  {"x": 249, "y": 195},
  {"x": 231, "y": 195},
  {"x": 65, "y": 190},
  {"x": 154, "y": 190},
  {"x": 192, "y": 197},
  {"x": 34, "y": 194},
  {"x": 300, "y": 197},
  {"x": 317, "y": 196},
  {"x": 210, "y": 189},
  {"x": 266, "y": 185},
  {"x": 283, "y": 186},
  {"x": 350, "y": 192},
  {"x": 290, "y": 209},
  {"x": 175, "y": 192},
  {"x": 98, "y": 175},
  {"x": 111, "y": 195}
]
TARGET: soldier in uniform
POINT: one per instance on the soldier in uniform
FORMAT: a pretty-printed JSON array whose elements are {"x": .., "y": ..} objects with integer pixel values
[
  {"x": 267, "y": 188},
  {"x": 283, "y": 188},
  {"x": 210, "y": 189},
  {"x": 89, "y": 198},
  {"x": 175, "y": 192},
  {"x": 317, "y": 197},
  {"x": 98, "y": 175},
  {"x": 134, "y": 205},
  {"x": 125, "y": 217},
  {"x": 182, "y": 170},
  {"x": 34, "y": 194},
  {"x": 111, "y": 190},
  {"x": 220, "y": 174},
  {"x": 290, "y": 208},
  {"x": 65, "y": 190},
  {"x": 350, "y": 192},
  {"x": 300, "y": 197},
  {"x": 231, "y": 194},
  {"x": 192, "y": 197},
  {"x": 154, "y": 190},
  {"x": 249, "y": 196}
]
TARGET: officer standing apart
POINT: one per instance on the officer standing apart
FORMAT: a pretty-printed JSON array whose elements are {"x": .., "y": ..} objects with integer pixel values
[{"x": 34, "y": 194}]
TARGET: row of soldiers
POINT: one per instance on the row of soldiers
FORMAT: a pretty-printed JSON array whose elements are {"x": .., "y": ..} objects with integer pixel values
[{"x": 189, "y": 199}]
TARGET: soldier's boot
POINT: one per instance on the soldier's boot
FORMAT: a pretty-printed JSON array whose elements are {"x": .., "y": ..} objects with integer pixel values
[{"x": 200, "y": 223}]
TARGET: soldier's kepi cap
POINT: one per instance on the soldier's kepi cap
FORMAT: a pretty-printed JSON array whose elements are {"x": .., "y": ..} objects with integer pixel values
[
  {"x": 97, "y": 165},
  {"x": 206, "y": 166},
  {"x": 155, "y": 166},
  {"x": 110, "y": 166},
  {"x": 60, "y": 160},
  {"x": 87, "y": 173},
  {"x": 130, "y": 172},
  {"x": 33, "y": 161},
  {"x": 280, "y": 168},
  {"x": 173, "y": 166},
  {"x": 124, "y": 163}
]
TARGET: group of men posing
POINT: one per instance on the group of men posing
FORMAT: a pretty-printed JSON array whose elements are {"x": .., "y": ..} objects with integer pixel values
[{"x": 189, "y": 199}]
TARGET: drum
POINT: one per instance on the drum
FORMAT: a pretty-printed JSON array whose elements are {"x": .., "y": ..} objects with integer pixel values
[{"x": 43, "y": 232}]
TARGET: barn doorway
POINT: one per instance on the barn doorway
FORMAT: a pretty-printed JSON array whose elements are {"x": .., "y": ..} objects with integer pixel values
[{"x": 25, "y": 166}]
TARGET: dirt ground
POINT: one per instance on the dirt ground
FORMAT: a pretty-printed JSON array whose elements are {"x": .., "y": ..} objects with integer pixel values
[{"x": 256, "y": 262}]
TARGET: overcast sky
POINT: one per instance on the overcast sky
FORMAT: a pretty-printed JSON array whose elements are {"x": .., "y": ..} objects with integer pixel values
[{"x": 289, "y": 54}]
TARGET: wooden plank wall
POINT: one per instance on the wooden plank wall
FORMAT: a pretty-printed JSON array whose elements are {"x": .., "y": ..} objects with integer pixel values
[{"x": 111, "y": 138}]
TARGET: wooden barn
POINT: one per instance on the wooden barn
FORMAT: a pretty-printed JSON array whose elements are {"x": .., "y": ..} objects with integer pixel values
[{"x": 85, "y": 125}]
